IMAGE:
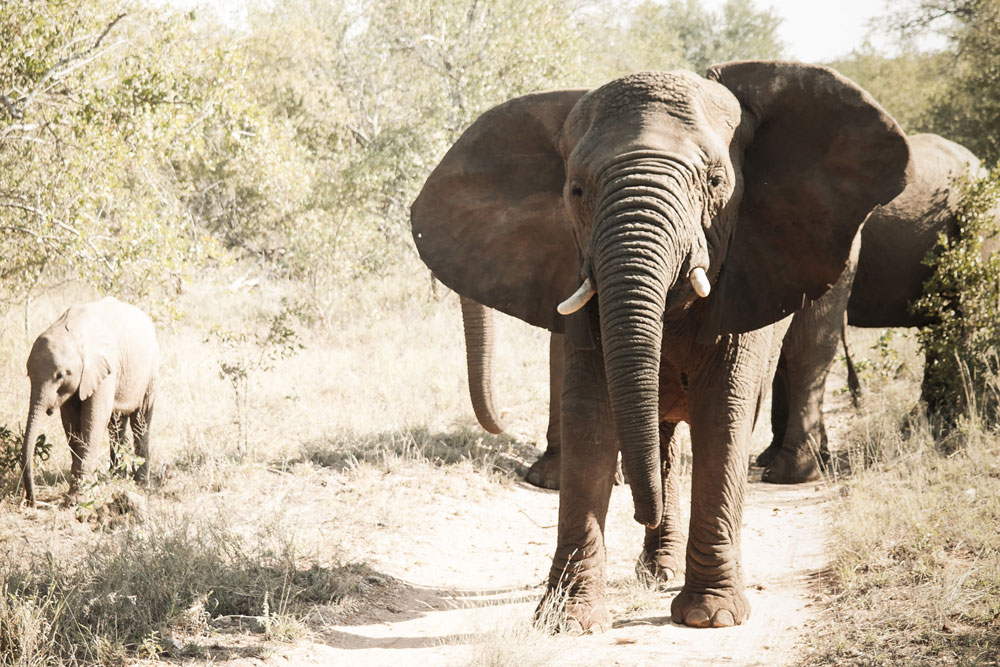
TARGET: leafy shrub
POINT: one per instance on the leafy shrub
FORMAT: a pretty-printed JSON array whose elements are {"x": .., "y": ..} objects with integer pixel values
[
  {"x": 10, "y": 455},
  {"x": 962, "y": 345}
]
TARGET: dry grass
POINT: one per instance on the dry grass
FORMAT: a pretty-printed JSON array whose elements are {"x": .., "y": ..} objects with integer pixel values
[
  {"x": 915, "y": 577},
  {"x": 270, "y": 531},
  {"x": 234, "y": 549}
]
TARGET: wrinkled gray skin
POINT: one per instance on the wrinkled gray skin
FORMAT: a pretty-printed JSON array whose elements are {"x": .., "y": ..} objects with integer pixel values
[
  {"x": 890, "y": 276},
  {"x": 760, "y": 174},
  {"x": 478, "y": 325},
  {"x": 97, "y": 360}
]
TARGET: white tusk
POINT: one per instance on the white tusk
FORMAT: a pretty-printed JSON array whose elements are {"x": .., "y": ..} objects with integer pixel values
[
  {"x": 579, "y": 299},
  {"x": 699, "y": 281}
]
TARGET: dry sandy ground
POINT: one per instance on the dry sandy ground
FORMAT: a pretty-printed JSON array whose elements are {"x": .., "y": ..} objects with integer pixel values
[
  {"x": 482, "y": 568},
  {"x": 469, "y": 570}
]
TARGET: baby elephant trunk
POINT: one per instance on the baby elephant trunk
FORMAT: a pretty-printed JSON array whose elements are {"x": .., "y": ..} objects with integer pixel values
[{"x": 35, "y": 413}]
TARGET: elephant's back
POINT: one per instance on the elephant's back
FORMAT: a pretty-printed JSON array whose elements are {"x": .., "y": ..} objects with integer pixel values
[{"x": 897, "y": 236}]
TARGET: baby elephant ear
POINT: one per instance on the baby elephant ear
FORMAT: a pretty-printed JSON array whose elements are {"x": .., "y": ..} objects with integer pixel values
[
  {"x": 820, "y": 155},
  {"x": 96, "y": 368},
  {"x": 97, "y": 349},
  {"x": 490, "y": 221}
]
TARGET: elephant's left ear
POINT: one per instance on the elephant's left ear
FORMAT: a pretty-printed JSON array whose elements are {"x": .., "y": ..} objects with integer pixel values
[
  {"x": 821, "y": 155},
  {"x": 97, "y": 353}
]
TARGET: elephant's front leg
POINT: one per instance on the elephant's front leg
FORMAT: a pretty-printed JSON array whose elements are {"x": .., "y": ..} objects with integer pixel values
[
  {"x": 95, "y": 415},
  {"x": 724, "y": 401},
  {"x": 662, "y": 555},
  {"x": 799, "y": 447},
  {"x": 70, "y": 414},
  {"x": 589, "y": 453}
]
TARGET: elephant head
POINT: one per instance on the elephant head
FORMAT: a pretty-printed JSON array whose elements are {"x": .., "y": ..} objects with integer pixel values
[
  {"x": 720, "y": 205},
  {"x": 65, "y": 362}
]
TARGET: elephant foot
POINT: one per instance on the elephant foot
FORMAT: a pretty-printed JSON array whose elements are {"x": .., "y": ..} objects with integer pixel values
[
  {"x": 572, "y": 615},
  {"x": 795, "y": 466},
  {"x": 718, "y": 609},
  {"x": 659, "y": 567},
  {"x": 765, "y": 457},
  {"x": 544, "y": 473}
]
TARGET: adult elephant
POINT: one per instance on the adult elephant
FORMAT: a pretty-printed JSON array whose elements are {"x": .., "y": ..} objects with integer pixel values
[
  {"x": 890, "y": 275},
  {"x": 656, "y": 191},
  {"x": 477, "y": 321}
]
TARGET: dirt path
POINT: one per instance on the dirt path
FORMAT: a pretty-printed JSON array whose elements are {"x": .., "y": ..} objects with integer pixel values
[
  {"x": 457, "y": 592},
  {"x": 471, "y": 570}
]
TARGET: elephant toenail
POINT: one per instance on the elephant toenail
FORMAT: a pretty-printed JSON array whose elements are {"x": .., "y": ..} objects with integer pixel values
[
  {"x": 697, "y": 617},
  {"x": 723, "y": 619}
]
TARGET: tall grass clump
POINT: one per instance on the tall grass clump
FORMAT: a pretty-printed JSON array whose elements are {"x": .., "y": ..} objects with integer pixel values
[
  {"x": 915, "y": 575},
  {"x": 962, "y": 299},
  {"x": 122, "y": 595}
]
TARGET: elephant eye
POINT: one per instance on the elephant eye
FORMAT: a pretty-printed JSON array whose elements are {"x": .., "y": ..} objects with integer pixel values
[
  {"x": 716, "y": 180},
  {"x": 59, "y": 375},
  {"x": 576, "y": 189}
]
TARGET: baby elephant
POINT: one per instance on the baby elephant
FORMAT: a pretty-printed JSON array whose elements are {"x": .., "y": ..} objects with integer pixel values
[{"x": 97, "y": 361}]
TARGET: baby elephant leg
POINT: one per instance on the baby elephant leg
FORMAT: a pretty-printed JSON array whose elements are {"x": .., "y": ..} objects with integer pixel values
[
  {"x": 140, "y": 420},
  {"x": 116, "y": 437}
]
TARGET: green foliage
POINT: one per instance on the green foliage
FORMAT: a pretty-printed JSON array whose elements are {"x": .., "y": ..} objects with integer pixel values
[
  {"x": 962, "y": 345},
  {"x": 10, "y": 456},
  {"x": 906, "y": 85},
  {"x": 885, "y": 364},
  {"x": 138, "y": 144},
  {"x": 93, "y": 95},
  {"x": 10, "y": 449},
  {"x": 684, "y": 34},
  {"x": 372, "y": 96},
  {"x": 967, "y": 110}
]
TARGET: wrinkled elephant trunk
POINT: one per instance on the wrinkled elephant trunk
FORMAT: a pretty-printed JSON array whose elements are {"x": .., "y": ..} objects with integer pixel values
[
  {"x": 35, "y": 413},
  {"x": 637, "y": 256},
  {"x": 479, "y": 340}
]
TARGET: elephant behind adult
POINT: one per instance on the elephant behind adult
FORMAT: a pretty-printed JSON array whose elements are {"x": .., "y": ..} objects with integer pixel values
[
  {"x": 653, "y": 193},
  {"x": 478, "y": 325},
  {"x": 98, "y": 360},
  {"x": 874, "y": 291}
]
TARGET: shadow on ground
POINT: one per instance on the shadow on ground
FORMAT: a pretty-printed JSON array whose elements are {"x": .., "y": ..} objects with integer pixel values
[
  {"x": 496, "y": 454},
  {"x": 399, "y": 602}
]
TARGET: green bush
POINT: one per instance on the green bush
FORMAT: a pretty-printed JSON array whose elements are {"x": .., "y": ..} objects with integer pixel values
[{"x": 962, "y": 345}]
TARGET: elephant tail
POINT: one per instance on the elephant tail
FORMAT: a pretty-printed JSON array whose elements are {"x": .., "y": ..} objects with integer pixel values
[
  {"x": 479, "y": 340},
  {"x": 852, "y": 375}
]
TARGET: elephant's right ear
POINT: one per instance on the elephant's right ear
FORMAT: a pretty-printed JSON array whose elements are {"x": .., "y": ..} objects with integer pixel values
[{"x": 490, "y": 221}]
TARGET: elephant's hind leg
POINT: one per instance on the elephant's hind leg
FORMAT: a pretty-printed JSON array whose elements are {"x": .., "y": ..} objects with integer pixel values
[
  {"x": 779, "y": 414},
  {"x": 662, "y": 555},
  {"x": 141, "y": 420},
  {"x": 116, "y": 435},
  {"x": 544, "y": 472},
  {"x": 807, "y": 353}
]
